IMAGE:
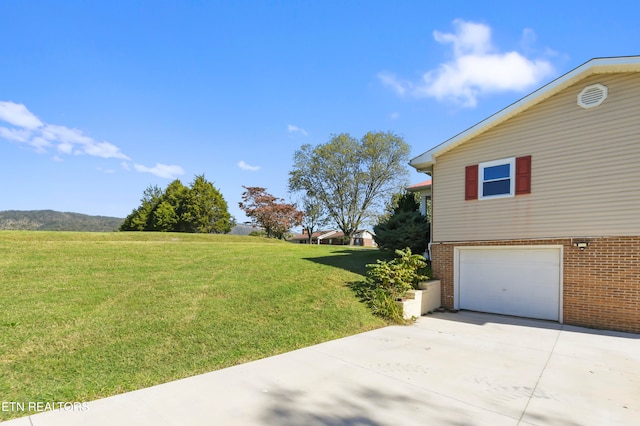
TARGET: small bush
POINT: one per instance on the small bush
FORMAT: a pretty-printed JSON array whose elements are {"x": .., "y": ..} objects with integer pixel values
[{"x": 389, "y": 281}]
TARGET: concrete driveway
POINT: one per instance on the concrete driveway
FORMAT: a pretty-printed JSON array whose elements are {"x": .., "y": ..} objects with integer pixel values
[{"x": 447, "y": 369}]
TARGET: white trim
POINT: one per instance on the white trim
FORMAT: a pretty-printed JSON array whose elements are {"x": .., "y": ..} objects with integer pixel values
[
  {"x": 456, "y": 269},
  {"x": 326, "y": 234},
  {"x": 512, "y": 182},
  {"x": 456, "y": 276},
  {"x": 425, "y": 161}
]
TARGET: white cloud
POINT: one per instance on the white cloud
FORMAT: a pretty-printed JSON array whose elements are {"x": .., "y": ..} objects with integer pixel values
[
  {"x": 529, "y": 38},
  {"x": 39, "y": 144},
  {"x": 295, "y": 129},
  {"x": 470, "y": 38},
  {"x": 245, "y": 166},
  {"x": 25, "y": 127},
  {"x": 391, "y": 81},
  {"x": 65, "y": 148},
  {"x": 18, "y": 115},
  {"x": 161, "y": 170},
  {"x": 394, "y": 115},
  {"x": 68, "y": 139},
  {"x": 28, "y": 129},
  {"x": 103, "y": 150},
  {"x": 477, "y": 68},
  {"x": 18, "y": 135}
]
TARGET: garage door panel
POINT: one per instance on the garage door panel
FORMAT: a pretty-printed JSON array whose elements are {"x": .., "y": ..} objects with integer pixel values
[{"x": 521, "y": 282}]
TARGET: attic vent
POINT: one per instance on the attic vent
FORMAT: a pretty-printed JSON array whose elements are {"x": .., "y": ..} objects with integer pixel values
[{"x": 592, "y": 96}]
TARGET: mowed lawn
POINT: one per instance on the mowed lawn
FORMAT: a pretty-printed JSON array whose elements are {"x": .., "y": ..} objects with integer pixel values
[{"x": 88, "y": 315}]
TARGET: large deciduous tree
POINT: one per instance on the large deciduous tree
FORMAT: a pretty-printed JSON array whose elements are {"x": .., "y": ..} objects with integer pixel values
[
  {"x": 275, "y": 216},
  {"x": 315, "y": 216},
  {"x": 198, "y": 208},
  {"x": 351, "y": 177}
]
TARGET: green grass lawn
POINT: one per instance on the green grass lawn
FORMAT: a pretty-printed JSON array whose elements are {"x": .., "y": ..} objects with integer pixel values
[{"x": 88, "y": 315}]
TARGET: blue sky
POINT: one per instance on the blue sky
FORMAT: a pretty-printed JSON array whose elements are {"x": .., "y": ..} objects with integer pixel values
[{"x": 100, "y": 99}]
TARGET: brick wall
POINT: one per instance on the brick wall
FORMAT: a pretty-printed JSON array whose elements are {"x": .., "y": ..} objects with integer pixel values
[{"x": 601, "y": 285}]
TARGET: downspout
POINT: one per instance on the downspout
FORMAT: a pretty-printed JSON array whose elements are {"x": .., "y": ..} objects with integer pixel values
[
  {"x": 430, "y": 218},
  {"x": 427, "y": 254}
]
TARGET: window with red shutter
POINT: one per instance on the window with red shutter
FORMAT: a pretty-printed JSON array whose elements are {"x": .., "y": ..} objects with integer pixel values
[{"x": 498, "y": 178}]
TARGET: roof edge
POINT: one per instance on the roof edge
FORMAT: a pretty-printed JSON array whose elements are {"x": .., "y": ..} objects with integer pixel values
[{"x": 425, "y": 161}]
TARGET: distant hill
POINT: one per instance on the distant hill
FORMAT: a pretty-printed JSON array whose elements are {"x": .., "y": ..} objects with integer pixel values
[
  {"x": 244, "y": 229},
  {"x": 50, "y": 220}
]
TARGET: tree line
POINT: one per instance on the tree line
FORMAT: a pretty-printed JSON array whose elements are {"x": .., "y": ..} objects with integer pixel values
[
  {"x": 345, "y": 181},
  {"x": 200, "y": 208}
]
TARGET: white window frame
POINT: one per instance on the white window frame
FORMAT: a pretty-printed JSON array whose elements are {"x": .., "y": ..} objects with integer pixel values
[{"x": 512, "y": 177}]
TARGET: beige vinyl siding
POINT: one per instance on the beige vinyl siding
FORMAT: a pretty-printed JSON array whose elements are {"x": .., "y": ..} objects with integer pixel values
[{"x": 585, "y": 170}]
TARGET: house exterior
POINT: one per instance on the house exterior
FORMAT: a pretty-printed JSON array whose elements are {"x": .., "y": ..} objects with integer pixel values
[
  {"x": 423, "y": 189},
  {"x": 362, "y": 238},
  {"x": 318, "y": 237},
  {"x": 536, "y": 210}
]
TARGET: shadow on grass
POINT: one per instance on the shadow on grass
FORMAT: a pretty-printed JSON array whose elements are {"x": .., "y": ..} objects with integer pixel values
[{"x": 352, "y": 260}]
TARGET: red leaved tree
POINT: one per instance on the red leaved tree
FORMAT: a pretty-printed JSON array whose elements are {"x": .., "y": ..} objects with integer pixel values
[{"x": 269, "y": 212}]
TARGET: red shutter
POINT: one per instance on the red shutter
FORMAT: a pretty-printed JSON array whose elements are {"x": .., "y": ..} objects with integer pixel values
[
  {"x": 523, "y": 175},
  {"x": 471, "y": 182}
]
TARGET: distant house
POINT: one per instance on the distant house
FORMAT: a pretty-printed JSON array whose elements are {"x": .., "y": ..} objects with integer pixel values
[
  {"x": 536, "y": 211},
  {"x": 318, "y": 237},
  {"x": 362, "y": 238}
]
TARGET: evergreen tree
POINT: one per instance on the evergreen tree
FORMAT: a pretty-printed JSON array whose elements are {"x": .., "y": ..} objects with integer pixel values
[
  {"x": 169, "y": 214},
  {"x": 198, "y": 208},
  {"x": 206, "y": 211},
  {"x": 139, "y": 218},
  {"x": 406, "y": 227}
]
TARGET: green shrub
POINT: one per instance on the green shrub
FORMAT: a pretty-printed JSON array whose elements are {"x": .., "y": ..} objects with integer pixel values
[
  {"x": 389, "y": 281},
  {"x": 384, "y": 305},
  {"x": 404, "y": 227}
]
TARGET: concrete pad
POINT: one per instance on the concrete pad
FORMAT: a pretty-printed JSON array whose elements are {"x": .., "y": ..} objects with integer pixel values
[
  {"x": 594, "y": 377},
  {"x": 452, "y": 363},
  {"x": 457, "y": 369}
]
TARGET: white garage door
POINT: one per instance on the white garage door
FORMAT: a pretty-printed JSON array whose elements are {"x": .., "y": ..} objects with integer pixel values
[{"x": 520, "y": 281}]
